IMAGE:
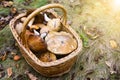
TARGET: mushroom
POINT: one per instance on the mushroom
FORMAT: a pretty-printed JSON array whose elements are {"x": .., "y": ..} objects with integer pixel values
[
  {"x": 47, "y": 57},
  {"x": 31, "y": 22},
  {"x": 35, "y": 42},
  {"x": 23, "y": 19},
  {"x": 36, "y": 33},
  {"x": 44, "y": 31},
  {"x": 46, "y": 18},
  {"x": 36, "y": 26},
  {"x": 19, "y": 27},
  {"x": 53, "y": 24},
  {"x": 60, "y": 43}
]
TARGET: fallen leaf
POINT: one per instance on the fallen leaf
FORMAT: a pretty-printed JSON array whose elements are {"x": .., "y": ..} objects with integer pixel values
[
  {"x": 4, "y": 56},
  {"x": 9, "y": 72},
  {"x": 113, "y": 44},
  {"x": 92, "y": 33},
  {"x": 31, "y": 76},
  {"x": 13, "y": 53},
  {"x": 108, "y": 63}
]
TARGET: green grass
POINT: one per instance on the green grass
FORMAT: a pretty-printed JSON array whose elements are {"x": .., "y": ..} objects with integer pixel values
[
  {"x": 21, "y": 4},
  {"x": 4, "y": 11},
  {"x": 6, "y": 38}
]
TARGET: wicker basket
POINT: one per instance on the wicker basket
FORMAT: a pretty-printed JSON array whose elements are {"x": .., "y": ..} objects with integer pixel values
[{"x": 49, "y": 69}]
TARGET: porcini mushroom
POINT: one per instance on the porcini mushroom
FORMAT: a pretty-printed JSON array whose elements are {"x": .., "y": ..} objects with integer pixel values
[
  {"x": 44, "y": 31},
  {"x": 35, "y": 42},
  {"x": 53, "y": 24},
  {"x": 60, "y": 43},
  {"x": 47, "y": 57}
]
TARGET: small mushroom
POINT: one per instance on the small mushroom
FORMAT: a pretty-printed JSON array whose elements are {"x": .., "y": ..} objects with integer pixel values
[
  {"x": 19, "y": 27},
  {"x": 47, "y": 57},
  {"x": 60, "y": 43}
]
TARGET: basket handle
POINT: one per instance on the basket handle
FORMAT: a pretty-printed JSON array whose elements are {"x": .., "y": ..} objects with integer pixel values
[{"x": 34, "y": 13}]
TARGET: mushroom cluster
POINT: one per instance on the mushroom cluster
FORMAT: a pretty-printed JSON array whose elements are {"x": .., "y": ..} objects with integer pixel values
[{"x": 46, "y": 38}]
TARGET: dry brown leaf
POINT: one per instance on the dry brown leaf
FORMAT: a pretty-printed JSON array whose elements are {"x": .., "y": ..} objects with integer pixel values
[
  {"x": 13, "y": 53},
  {"x": 92, "y": 32},
  {"x": 9, "y": 72},
  {"x": 4, "y": 56},
  {"x": 31, "y": 76},
  {"x": 113, "y": 44}
]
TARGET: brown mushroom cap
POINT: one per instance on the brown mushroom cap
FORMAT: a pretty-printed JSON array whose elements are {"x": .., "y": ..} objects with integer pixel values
[
  {"x": 47, "y": 57},
  {"x": 36, "y": 43},
  {"x": 60, "y": 43}
]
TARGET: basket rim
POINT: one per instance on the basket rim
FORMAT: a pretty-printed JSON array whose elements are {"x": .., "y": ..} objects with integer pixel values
[{"x": 31, "y": 54}]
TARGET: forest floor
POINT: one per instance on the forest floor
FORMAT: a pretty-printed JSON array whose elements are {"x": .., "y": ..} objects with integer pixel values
[{"x": 96, "y": 22}]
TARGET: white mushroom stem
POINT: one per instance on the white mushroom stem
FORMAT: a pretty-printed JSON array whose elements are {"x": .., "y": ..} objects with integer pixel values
[
  {"x": 23, "y": 19},
  {"x": 19, "y": 28},
  {"x": 31, "y": 22},
  {"x": 46, "y": 18},
  {"x": 36, "y": 33},
  {"x": 43, "y": 35}
]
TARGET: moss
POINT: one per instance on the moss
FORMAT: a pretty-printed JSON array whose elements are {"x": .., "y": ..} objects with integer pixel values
[
  {"x": 26, "y": 4},
  {"x": 6, "y": 38},
  {"x": 38, "y": 3},
  {"x": 4, "y": 11}
]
